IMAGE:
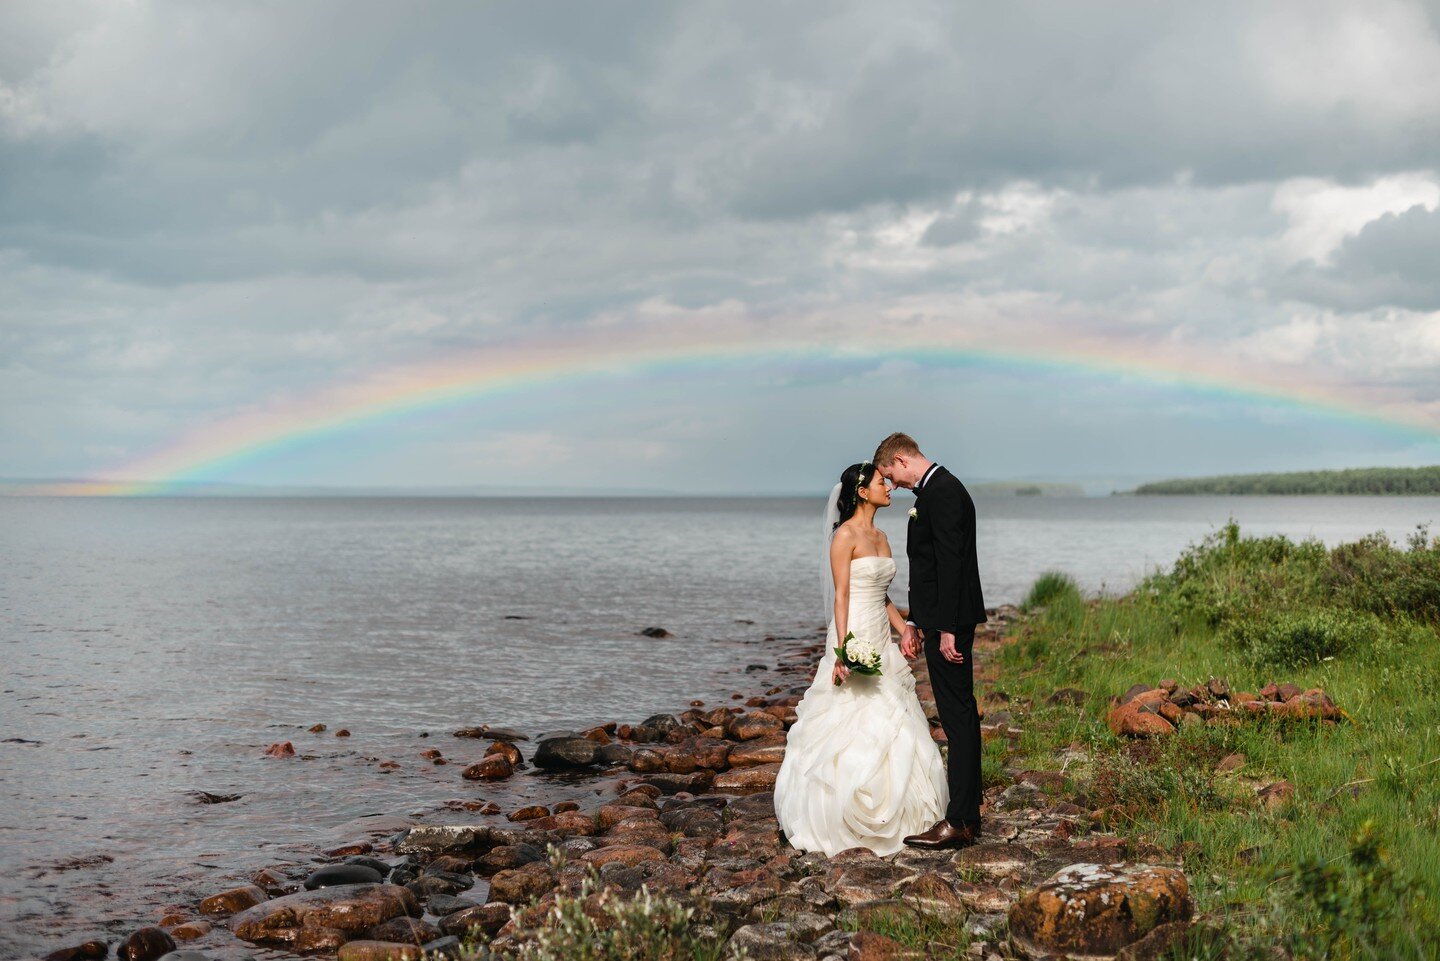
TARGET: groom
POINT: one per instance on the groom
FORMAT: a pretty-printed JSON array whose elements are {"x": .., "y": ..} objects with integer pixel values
[{"x": 945, "y": 606}]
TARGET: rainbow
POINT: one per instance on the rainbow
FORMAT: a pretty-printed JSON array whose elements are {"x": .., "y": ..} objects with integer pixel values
[{"x": 212, "y": 451}]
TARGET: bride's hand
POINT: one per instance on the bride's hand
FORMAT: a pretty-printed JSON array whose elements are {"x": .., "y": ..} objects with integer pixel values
[
  {"x": 910, "y": 642},
  {"x": 840, "y": 673}
]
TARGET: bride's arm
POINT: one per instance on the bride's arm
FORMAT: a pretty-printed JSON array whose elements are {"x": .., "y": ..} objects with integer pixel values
[
  {"x": 841, "y": 547},
  {"x": 897, "y": 623}
]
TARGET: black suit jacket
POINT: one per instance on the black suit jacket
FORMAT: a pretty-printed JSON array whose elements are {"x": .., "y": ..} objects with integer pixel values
[{"x": 940, "y": 542}]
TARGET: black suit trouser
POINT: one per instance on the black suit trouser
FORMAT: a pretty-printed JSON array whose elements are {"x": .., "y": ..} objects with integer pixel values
[{"x": 954, "y": 687}]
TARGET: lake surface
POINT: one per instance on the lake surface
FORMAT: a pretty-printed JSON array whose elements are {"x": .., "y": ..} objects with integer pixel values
[{"x": 155, "y": 647}]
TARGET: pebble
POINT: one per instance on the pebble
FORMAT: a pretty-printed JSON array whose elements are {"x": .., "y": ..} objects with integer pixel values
[{"x": 334, "y": 875}]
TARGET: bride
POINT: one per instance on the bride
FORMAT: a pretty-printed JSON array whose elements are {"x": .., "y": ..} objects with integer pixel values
[{"x": 860, "y": 768}]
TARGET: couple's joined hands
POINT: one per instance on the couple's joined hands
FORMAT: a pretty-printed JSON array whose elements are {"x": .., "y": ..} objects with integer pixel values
[{"x": 910, "y": 645}]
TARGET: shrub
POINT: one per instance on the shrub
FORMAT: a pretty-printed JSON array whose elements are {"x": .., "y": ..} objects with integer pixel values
[
  {"x": 1293, "y": 638},
  {"x": 1050, "y": 587},
  {"x": 610, "y": 927}
]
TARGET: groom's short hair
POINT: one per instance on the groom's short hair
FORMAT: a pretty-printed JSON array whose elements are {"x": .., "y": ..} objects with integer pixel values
[{"x": 896, "y": 443}]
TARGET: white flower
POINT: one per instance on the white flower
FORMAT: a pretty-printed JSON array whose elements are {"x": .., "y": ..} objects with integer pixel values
[{"x": 914, "y": 513}]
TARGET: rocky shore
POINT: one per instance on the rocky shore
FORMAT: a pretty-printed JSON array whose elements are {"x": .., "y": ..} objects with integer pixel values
[{"x": 684, "y": 808}]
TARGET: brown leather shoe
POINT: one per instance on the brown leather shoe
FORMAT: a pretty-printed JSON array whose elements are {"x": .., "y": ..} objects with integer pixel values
[{"x": 944, "y": 835}]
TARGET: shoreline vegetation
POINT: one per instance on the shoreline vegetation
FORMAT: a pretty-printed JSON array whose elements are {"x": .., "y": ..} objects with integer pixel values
[
  {"x": 1140, "y": 802},
  {"x": 1368, "y": 481}
]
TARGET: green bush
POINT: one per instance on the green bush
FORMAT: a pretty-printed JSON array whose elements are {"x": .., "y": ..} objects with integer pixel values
[
  {"x": 1050, "y": 587},
  {"x": 1293, "y": 638}
]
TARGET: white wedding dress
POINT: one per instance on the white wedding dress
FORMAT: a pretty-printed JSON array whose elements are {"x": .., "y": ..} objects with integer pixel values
[{"x": 860, "y": 768}]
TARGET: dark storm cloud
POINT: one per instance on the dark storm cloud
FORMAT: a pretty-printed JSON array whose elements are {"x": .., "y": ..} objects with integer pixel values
[{"x": 204, "y": 204}]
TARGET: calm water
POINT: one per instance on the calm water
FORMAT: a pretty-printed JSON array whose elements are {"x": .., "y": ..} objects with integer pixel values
[{"x": 154, "y": 648}]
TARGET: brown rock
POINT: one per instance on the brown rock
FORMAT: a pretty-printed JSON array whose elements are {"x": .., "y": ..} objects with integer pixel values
[
  {"x": 350, "y": 908},
  {"x": 932, "y": 894},
  {"x": 316, "y": 729},
  {"x": 280, "y": 749},
  {"x": 1286, "y": 691},
  {"x": 568, "y": 822},
  {"x": 994, "y": 858},
  {"x": 869, "y": 946},
  {"x": 1277, "y": 795},
  {"x": 1171, "y": 712},
  {"x": 678, "y": 762},
  {"x": 146, "y": 944},
  {"x": 506, "y": 750},
  {"x": 983, "y": 897},
  {"x": 519, "y": 885},
  {"x": 494, "y": 767},
  {"x": 566, "y": 806},
  {"x": 528, "y": 813},
  {"x": 89, "y": 951},
  {"x": 748, "y": 727},
  {"x": 764, "y": 750},
  {"x": 626, "y": 854},
  {"x": 747, "y": 780},
  {"x": 645, "y": 761},
  {"x": 404, "y": 931},
  {"x": 379, "y": 951},
  {"x": 675, "y": 783},
  {"x": 236, "y": 899},
  {"x": 1135, "y": 719},
  {"x": 1135, "y": 691},
  {"x": 343, "y": 732},
  {"x": 1093, "y": 910},
  {"x": 488, "y": 918},
  {"x": 190, "y": 930},
  {"x": 612, "y": 814},
  {"x": 313, "y": 940},
  {"x": 856, "y": 881},
  {"x": 1157, "y": 944},
  {"x": 1230, "y": 762}
]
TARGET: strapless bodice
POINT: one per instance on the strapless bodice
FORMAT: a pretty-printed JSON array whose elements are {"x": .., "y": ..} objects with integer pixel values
[{"x": 870, "y": 578}]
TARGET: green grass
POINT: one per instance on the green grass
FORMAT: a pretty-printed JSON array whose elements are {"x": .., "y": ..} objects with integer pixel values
[
  {"x": 1050, "y": 587},
  {"x": 940, "y": 936},
  {"x": 1360, "y": 622}
]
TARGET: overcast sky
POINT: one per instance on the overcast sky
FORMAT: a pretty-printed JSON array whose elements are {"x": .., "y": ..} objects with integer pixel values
[{"x": 209, "y": 208}]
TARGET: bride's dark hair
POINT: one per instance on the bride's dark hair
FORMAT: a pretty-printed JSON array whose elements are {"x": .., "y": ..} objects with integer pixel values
[{"x": 852, "y": 479}]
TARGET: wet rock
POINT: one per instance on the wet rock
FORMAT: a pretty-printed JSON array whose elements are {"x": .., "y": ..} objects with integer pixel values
[
  {"x": 654, "y": 632},
  {"x": 236, "y": 899},
  {"x": 439, "y": 882},
  {"x": 519, "y": 885},
  {"x": 313, "y": 940},
  {"x": 146, "y": 944},
  {"x": 448, "y": 947},
  {"x": 570, "y": 822},
  {"x": 205, "y": 797},
  {"x": 769, "y": 942},
  {"x": 488, "y": 918},
  {"x": 765, "y": 750},
  {"x": 752, "y": 808},
  {"x": 747, "y": 780},
  {"x": 350, "y": 908},
  {"x": 442, "y": 904},
  {"x": 645, "y": 761},
  {"x": 748, "y": 727},
  {"x": 529, "y": 813},
  {"x": 343, "y": 732},
  {"x": 190, "y": 930},
  {"x": 404, "y": 931},
  {"x": 506, "y": 750},
  {"x": 1094, "y": 910},
  {"x": 614, "y": 754},
  {"x": 379, "y": 951},
  {"x": 629, "y": 855},
  {"x": 565, "y": 753},
  {"x": 612, "y": 814},
  {"x": 493, "y": 768},
  {"x": 280, "y": 749},
  {"x": 655, "y": 728},
  {"x": 185, "y": 954},
  {"x": 675, "y": 783},
  {"x": 89, "y": 951},
  {"x": 431, "y": 839},
  {"x": 332, "y": 875}
]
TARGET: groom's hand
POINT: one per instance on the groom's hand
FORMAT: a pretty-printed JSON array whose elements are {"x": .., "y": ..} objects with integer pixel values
[
  {"x": 910, "y": 642},
  {"x": 947, "y": 648}
]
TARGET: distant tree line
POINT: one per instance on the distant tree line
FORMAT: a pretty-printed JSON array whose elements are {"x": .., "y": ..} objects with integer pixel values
[{"x": 1367, "y": 480}]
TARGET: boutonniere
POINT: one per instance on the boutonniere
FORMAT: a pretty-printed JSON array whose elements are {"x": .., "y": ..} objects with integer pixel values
[{"x": 914, "y": 513}]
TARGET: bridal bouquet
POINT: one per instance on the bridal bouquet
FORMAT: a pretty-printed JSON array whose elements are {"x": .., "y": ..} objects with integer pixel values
[{"x": 859, "y": 656}]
